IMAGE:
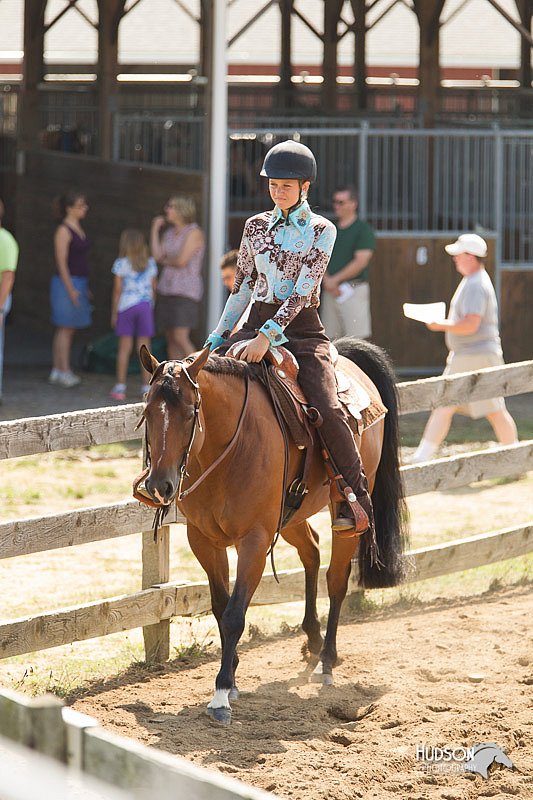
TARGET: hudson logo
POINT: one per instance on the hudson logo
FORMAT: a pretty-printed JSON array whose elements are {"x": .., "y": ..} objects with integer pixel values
[{"x": 476, "y": 759}]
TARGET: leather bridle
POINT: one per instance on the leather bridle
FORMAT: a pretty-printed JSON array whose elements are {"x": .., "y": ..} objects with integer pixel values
[
  {"x": 196, "y": 426},
  {"x": 142, "y": 494}
]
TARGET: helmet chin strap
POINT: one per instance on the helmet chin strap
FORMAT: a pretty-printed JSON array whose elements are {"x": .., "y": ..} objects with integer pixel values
[{"x": 301, "y": 198}]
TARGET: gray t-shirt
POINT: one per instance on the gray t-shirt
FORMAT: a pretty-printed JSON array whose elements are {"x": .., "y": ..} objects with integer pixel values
[{"x": 475, "y": 295}]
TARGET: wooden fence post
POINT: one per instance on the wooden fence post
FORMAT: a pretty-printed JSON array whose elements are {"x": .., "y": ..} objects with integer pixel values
[
  {"x": 156, "y": 569},
  {"x": 35, "y": 722}
]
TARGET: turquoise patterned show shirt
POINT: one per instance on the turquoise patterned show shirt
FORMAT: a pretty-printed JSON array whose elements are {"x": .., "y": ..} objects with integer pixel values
[{"x": 281, "y": 261}]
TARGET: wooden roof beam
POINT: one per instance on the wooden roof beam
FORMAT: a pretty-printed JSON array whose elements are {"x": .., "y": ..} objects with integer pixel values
[
  {"x": 428, "y": 13},
  {"x": 110, "y": 13},
  {"x": 516, "y": 25},
  {"x": 251, "y": 21},
  {"x": 525, "y": 10},
  {"x": 71, "y": 4},
  {"x": 308, "y": 24},
  {"x": 187, "y": 11},
  {"x": 286, "y": 87},
  {"x": 359, "y": 9},
  {"x": 383, "y": 14},
  {"x": 332, "y": 13},
  {"x": 32, "y": 75},
  {"x": 133, "y": 5}
]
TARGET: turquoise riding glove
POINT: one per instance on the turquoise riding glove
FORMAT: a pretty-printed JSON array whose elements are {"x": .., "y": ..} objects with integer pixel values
[{"x": 214, "y": 340}]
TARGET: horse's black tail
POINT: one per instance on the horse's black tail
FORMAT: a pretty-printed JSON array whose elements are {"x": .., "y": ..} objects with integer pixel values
[{"x": 390, "y": 510}]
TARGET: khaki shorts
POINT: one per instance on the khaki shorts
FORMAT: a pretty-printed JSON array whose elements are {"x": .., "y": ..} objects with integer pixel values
[
  {"x": 351, "y": 318},
  {"x": 470, "y": 363}
]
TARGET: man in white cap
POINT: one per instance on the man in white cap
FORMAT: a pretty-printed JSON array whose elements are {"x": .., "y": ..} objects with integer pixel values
[{"x": 473, "y": 339}]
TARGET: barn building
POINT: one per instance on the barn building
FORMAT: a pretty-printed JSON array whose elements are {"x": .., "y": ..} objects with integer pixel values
[{"x": 426, "y": 105}]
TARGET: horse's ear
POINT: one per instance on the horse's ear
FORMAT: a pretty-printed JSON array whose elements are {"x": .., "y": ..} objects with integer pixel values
[
  {"x": 194, "y": 368},
  {"x": 149, "y": 362}
]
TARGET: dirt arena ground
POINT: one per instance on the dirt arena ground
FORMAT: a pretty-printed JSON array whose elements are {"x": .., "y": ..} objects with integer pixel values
[{"x": 452, "y": 673}]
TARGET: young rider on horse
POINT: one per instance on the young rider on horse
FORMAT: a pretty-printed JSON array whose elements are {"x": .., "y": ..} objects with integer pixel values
[{"x": 283, "y": 256}]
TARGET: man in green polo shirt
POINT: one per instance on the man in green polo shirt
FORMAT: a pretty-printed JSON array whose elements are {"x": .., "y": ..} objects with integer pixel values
[
  {"x": 345, "y": 300},
  {"x": 9, "y": 253}
]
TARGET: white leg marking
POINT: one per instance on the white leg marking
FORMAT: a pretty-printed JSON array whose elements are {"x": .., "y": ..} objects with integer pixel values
[
  {"x": 319, "y": 676},
  {"x": 220, "y": 699}
]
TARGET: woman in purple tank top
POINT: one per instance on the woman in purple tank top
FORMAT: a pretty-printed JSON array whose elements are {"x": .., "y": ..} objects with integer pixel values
[
  {"x": 180, "y": 251},
  {"x": 69, "y": 289}
]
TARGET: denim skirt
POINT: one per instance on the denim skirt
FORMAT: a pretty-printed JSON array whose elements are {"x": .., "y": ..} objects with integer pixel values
[{"x": 64, "y": 313}]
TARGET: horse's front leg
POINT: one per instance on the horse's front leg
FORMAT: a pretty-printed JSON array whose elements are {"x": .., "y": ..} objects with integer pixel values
[
  {"x": 302, "y": 536},
  {"x": 252, "y": 550},
  {"x": 214, "y": 560},
  {"x": 342, "y": 552}
]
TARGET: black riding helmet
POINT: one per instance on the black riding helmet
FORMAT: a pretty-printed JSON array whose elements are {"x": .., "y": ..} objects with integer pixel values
[{"x": 290, "y": 160}]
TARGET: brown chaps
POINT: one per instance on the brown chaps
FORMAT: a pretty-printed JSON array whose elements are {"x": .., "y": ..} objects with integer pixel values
[{"x": 311, "y": 347}]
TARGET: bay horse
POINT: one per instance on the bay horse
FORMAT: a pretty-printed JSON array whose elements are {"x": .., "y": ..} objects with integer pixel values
[{"x": 216, "y": 448}]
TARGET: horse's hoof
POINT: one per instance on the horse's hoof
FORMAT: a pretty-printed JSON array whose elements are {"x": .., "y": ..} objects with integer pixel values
[
  {"x": 319, "y": 676},
  {"x": 233, "y": 693},
  {"x": 220, "y": 715}
]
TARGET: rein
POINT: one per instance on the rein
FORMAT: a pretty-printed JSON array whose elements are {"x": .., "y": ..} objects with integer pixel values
[{"x": 221, "y": 457}]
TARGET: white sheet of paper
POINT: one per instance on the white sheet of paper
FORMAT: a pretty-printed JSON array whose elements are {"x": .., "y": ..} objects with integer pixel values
[
  {"x": 346, "y": 291},
  {"x": 425, "y": 312}
]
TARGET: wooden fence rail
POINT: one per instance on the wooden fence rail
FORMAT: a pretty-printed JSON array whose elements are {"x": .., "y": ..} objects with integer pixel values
[
  {"x": 35, "y": 435},
  {"x": 76, "y": 740},
  {"x": 159, "y": 599},
  {"x": 430, "y": 393},
  {"x": 53, "y": 531},
  {"x": 150, "y": 606}
]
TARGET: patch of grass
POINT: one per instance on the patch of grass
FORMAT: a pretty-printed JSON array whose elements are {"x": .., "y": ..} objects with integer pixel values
[
  {"x": 115, "y": 449},
  {"x": 289, "y": 630},
  {"x": 360, "y": 604},
  {"x": 190, "y": 651},
  {"x": 24, "y": 462},
  {"x": 505, "y": 480},
  {"x": 103, "y": 488},
  {"x": 365, "y": 604},
  {"x": 194, "y": 640},
  {"x": 255, "y": 634},
  {"x": 30, "y": 495},
  {"x": 100, "y": 472},
  {"x": 76, "y": 492}
]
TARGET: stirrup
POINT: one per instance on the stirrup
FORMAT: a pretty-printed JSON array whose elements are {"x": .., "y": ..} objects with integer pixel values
[{"x": 354, "y": 524}]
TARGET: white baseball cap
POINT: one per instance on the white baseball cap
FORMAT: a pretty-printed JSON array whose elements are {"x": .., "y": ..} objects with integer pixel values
[{"x": 468, "y": 243}]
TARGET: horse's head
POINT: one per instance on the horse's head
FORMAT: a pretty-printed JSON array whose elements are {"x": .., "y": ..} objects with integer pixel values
[{"x": 172, "y": 416}]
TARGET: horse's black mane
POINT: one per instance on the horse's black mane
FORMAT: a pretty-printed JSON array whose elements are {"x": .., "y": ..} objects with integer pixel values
[
  {"x": 170, "y": 392},
  {"x": 216, "y": 365},
  {"x": 221, "y": 365},
  {"x": 167, "y": 388}
]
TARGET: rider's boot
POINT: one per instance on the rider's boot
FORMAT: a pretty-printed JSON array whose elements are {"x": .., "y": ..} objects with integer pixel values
[{"x": 354, "y": 515}]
